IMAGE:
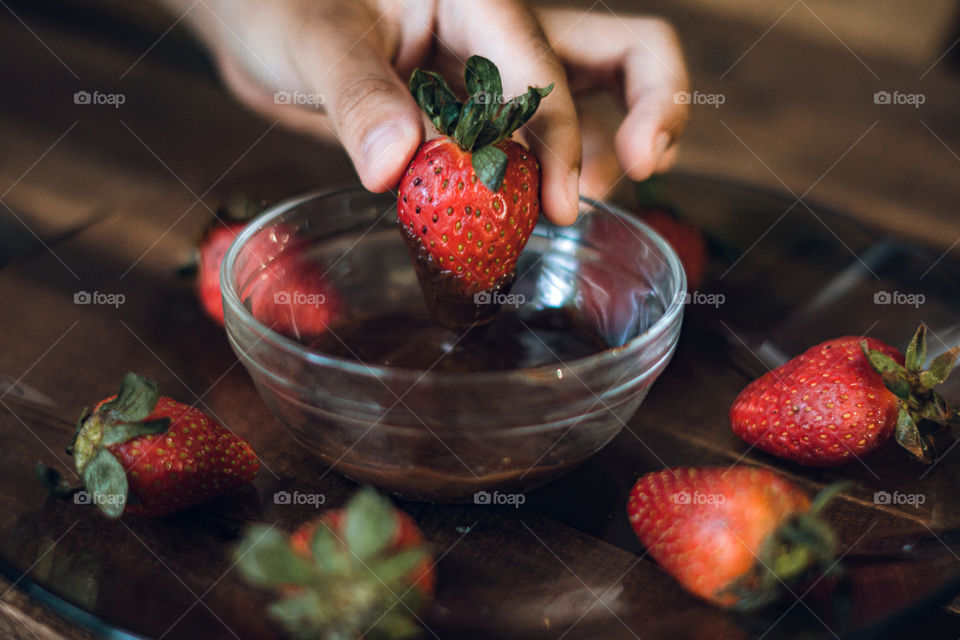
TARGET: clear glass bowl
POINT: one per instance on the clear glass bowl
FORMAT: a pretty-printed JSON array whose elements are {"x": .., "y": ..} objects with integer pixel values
[{"x": 432, "y": 434}]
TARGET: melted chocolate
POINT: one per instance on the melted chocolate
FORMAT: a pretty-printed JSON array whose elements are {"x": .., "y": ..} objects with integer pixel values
[{"x": 413, "y": 341}]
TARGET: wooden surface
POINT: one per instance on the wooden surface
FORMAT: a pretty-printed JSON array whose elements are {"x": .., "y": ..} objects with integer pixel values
[{"x": 110, "y": 200}]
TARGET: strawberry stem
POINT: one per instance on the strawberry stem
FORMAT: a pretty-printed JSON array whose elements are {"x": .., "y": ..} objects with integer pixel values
[
  {"x": 350, "y": 583},
  {"x": 804, "y": 546},
  {"x": 484, "y": 120},
  {"x": 921, "y": 408},
  {"x": 114, "y": 422}
]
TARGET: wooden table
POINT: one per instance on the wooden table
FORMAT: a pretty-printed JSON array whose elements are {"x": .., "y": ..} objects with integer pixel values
[{"x": 97, "y": 198}]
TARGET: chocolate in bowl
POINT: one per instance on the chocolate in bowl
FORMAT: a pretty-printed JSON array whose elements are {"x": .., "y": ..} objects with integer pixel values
[{"x": 386, "y": 397}]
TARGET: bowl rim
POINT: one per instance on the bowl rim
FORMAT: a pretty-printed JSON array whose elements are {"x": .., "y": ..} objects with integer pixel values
[{"x": 231, "y": 301}]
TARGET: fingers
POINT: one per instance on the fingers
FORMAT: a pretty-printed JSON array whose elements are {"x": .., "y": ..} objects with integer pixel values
[
  {"x": 344, "y": 55},
  {"x": 643, "y": 55},
  {"x": 326, "y": 68},
  {"x": 601, "y": 177},
  {"x": 510, "y": 35},
  {"x": 653, "y": 74}
]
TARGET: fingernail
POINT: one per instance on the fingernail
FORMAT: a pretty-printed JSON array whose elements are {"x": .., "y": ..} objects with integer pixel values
[
  {"x": 573, "y": 191},
  {"x": 376, "y": 147},
  {"x": 660, "y": 145}
]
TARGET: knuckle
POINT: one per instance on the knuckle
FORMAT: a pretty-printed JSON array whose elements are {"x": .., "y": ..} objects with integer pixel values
[{"x": 357, "y": 98}]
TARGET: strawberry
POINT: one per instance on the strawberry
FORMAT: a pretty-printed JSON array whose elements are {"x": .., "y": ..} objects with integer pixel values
[
  {"x": 360, "y": 571},
  {"x": 291, "y": 295},
  {"x": 228, "y": 222},
  {"x": 733, "y": 536},
  {"x": 284, "y": 290},
  {"x": 142, "y": 453},
  {"x": 685, "y": 239},
  {"x": 469, "y": 199},
  {"x": 843, "y": 399}
]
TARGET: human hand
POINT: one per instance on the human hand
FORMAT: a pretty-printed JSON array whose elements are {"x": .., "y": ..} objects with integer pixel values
[{"x": 353, "y": 57}]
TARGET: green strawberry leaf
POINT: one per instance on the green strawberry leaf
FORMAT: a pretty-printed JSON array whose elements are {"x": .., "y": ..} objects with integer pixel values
[
  {"x": 916, "y": 354},
  {"x": 894, "y": 376},
  {"x": 106, "y": 482},
  {"x": 240, "y": 208},
  {"x": 135, "y": 400},
  {"x": 529, "y": 102},
  {"x": 399, "y": 565},
  {"x": 937, "y": 410},
  {"x": 939, "y": 369},
  {"x": 827, "y": 494},
  {"x": 909, "y": 437},
  {"x": 434, "y": 96},
  {"x": 368, "y": 523},
  {"x": 483, "y": 83},
  {"x": 395, "y": 625},
  {"x": 304, "y": 616},
  {"x": 330, "y": 555},
  {"x": 490, "y": 163},
  {"x": 117, "y": 433},
  {"x": 489, "y": 134},
  {"x": 76, "y": 432},
  {"x": 470, "y": 124},
  {"x": 265, "y": 558},
  {"x": 485, "y": 119}
]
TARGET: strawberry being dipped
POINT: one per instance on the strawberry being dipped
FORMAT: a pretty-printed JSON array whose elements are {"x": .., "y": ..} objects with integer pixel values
[
  {"x": 737, "y": 536},
  {"x": 142, "y": 453},
  {"x": 844, "y": 398},
  {"x": 362, "y": 571},
  {"x": 470, "y": 198}
]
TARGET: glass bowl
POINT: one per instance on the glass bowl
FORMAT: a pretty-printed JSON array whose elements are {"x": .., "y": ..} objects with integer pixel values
[{"x": 315, "y": 286}]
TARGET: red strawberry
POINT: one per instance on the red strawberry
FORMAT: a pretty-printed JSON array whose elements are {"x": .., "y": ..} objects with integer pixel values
[
  {"x": 228, "y": 222},
  {"x": 362, "y": 570},
  {"x": 685, "y": 239},
  {"x": 292, "y": 296},
  {"x": 148, "y": 454},
  {"x": 470, "y": 198},
  {"x": 844, "y": 398},
  {"x": 733, "y": 536},
  {"x": 284, "y": 289}
]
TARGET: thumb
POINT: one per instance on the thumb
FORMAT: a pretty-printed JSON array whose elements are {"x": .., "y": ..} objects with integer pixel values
[{"x": 373, "y": 113}]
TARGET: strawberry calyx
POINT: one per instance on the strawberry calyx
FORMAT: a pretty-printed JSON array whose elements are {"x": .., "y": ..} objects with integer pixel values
[
  {"x": 802, "y": 548},
  {"x": 483, "y": 121},
  {"x": 921, "y": 408},
  {"x": 239, "y": 208},
  {"x": 350, "y": 582},
  {"x": 113, "y": 422}
]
